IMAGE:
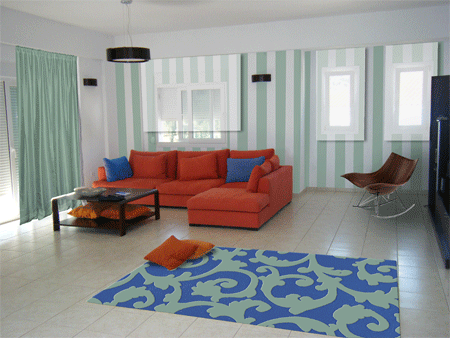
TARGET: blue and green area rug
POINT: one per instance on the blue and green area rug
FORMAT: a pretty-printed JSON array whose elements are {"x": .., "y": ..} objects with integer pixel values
[{"x": 336, "y": 296}]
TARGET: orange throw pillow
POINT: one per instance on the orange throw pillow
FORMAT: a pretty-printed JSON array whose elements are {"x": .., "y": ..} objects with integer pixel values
[
  {"x": 203, "y": 247},
  {"x": 275, "y": 161},
  {"x": 267, "y": 167},
  {"x": 198, "y": 168},
  {"x": 131, "y": 211},
  {"x": 172, "y": 253},
  {"x": 149, "y": 166},
  {"x": 101, "y": 172},
  {"x": 256, "y": 174}
]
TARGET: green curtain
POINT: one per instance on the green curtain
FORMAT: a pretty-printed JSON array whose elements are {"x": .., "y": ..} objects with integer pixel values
[{"x": 49, "y": 129}]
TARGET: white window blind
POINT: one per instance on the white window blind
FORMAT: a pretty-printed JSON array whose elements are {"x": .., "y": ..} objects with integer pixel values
[
  {"x": 192, "y": 112},
  {"x": 410, "y": 98},
  {"x": 339, "y": 100},
  {"x": 5, "y": 166}
]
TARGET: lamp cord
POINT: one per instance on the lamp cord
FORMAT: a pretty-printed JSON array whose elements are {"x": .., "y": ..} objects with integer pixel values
[
  {"x": 126, "y": 18},
  {"x": 128, "y": 24}
]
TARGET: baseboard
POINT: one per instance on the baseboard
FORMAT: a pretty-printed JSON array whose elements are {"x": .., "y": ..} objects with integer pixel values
[{"x": 356, "y": 190}]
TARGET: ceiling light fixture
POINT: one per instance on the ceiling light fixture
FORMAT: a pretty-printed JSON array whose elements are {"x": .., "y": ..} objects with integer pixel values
[{"x": 128, "y": 54}]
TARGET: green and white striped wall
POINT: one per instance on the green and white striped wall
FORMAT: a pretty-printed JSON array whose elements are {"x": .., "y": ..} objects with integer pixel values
[{"x": 281, "y": 114}]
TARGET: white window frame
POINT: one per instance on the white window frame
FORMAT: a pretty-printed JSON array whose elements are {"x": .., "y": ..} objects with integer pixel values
[
  {"x": 354, "y": 128},
  {"x": 392, "y": 125},
  {"x": 178, "y": 116}
]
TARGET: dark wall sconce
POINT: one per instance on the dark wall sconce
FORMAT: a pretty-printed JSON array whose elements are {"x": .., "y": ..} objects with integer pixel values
[
  {"x": 261, "y": 78},
  {"x": 90, "y": 82}
]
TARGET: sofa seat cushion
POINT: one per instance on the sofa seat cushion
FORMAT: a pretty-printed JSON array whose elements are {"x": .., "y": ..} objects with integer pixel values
[
  {"x": 134, "y": 183},
  {"x": 189, "y": 187},
  {"x": 229, "y": 200},
  {"x": 238, "y": 185}
]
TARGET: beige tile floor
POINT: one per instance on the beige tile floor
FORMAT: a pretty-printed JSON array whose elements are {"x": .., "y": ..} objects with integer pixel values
[{"x": 46, "y": 277}]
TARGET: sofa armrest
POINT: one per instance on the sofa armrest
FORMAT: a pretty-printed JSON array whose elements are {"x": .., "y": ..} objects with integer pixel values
[
  {"x": 278, "y": 184},
  {"x": 101, "y": 172}
]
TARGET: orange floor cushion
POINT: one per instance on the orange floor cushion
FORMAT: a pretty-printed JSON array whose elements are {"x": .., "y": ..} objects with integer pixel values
[
  {"x": 172, "y": 253},
  {"x": 131, "y": 211},
  {"x": 202, "y": 249},
  {"x": 90, "y": 210}
]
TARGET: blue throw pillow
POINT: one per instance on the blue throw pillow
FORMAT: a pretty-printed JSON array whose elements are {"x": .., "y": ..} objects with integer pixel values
[
  {"x": 240, "y": 169},
  {"x": 117, "y": 169}
]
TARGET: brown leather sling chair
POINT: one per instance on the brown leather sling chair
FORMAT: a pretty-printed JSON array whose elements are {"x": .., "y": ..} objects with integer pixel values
[{"x": 394, "y": 173}]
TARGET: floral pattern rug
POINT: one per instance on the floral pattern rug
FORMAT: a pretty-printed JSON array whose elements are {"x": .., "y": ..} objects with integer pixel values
[{"x": 336, "y": 296}]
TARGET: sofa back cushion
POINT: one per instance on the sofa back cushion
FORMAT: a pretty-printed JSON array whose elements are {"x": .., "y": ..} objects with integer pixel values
[
  {"x": 171, "y": 164},
  {"x": 267, "y": 153},
  {"x": 221, "y": 155},
  {"x": 198, "y": 168},
  {"x": 149, "y": 166}
]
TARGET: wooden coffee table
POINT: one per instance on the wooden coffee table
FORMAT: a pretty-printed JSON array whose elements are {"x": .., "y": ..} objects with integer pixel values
[{"x": 101, "y": 222}]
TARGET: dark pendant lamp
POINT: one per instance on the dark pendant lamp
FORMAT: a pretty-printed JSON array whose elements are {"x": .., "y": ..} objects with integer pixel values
[{"x": 128, "y": 54}]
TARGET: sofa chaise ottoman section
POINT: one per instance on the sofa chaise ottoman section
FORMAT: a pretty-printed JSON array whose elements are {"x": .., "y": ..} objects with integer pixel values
[{"x": 229, "y": 207}]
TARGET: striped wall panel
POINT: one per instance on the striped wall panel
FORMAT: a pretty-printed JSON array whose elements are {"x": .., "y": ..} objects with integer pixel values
[
  {"x": 408, "y": 55},
  {"x": 341, "y": 60},
  {"x": 281, "y": 114},
  {"x": 199, "y": 69}
]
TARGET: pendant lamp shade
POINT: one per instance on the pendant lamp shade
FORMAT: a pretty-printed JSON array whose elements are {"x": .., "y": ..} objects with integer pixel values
[{"x": 128, "y": 54}]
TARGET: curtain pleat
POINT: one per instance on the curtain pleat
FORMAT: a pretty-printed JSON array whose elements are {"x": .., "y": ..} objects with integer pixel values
[{"x": 49, "y": 129}]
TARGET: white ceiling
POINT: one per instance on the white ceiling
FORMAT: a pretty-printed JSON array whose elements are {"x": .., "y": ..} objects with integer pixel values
[{"x": 147, "y": 16}]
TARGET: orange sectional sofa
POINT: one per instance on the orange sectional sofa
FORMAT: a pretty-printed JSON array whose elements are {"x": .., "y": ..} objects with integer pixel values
[{"x": 197, "y": 180}]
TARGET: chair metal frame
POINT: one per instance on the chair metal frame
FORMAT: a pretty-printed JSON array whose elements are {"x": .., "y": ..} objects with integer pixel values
[{"x": 376, "y": 199}]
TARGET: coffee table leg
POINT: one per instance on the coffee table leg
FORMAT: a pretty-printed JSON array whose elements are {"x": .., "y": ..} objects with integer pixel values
[
  {"x": 157, "y": 205},
  {"x": 55, "y": 213},
  {"x": 122, "y": 219}
]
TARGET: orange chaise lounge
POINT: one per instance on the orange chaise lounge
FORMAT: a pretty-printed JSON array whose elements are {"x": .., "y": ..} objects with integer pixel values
[{"x": 197, "y": 180}]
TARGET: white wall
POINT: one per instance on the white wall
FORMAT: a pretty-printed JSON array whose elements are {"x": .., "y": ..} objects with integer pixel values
[
  {"x": 92, "y": 128},
  {"x": 96, "y": 103},
  {"x": 377, "y": 28}
]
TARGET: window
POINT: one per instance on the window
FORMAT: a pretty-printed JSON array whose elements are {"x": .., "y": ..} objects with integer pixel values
[
  {"x": 192, "y": 113},
  {"x": 410, "y": 98},
  {"x": 339, "y": 103},
  {"x": 409, "y": 110},
  {"x": 339, "y": 100},
  {"x": 408, "y": 72},
  {"x": 340, "y": 94}
]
